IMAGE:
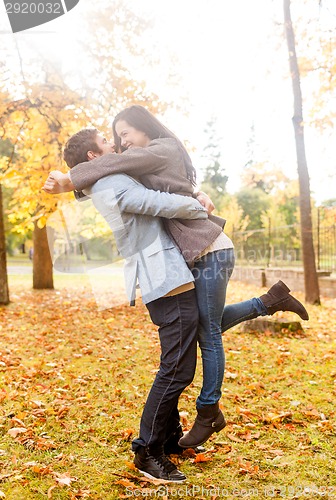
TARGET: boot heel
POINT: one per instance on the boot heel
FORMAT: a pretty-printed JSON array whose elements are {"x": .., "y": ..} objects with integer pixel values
[
  {"x": 221, "y": 427},
  {"x": 209, "y": 420}
]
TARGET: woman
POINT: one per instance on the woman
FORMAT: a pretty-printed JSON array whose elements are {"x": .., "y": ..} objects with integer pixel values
[{"x": 156, "y": 157}]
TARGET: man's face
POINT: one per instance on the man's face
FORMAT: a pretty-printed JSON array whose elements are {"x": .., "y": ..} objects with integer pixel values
[{"x": 104, "y": 146}]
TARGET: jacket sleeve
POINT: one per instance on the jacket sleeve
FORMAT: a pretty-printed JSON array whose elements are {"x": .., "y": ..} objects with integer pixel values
[
  {"x": 133, "y": 197},
  {"x": 134, "y": 161}
]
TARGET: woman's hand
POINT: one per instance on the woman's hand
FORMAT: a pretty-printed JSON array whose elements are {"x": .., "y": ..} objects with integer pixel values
[
  {"x": 205, "y": 201},
  {"x": 62, "y": 179},
  {"x": 58, "y": 182}
]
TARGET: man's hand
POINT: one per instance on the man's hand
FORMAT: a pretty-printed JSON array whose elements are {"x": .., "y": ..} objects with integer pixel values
[
  {"x": 58, "y": 182},
  {"x": 204, "y": 200}
]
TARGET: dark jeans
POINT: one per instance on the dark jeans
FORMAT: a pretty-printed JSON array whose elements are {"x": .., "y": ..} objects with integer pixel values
[
  {"x": 212, "y": 273},
  {"x": 177, "y": 319}
]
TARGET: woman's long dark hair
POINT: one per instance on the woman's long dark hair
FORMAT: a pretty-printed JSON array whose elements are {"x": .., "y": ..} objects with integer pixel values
[{"x": 141, "y": 119}]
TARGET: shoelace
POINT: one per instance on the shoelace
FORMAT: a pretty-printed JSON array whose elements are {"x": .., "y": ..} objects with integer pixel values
[{"x": 165, "y": 463}]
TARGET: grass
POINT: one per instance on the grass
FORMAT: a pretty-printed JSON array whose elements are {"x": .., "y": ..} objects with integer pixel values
[{"x": 75, "y": 379}]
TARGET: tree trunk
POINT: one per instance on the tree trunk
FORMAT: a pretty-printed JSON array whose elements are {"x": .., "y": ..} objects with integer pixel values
[
  {"x": 309, "y": 266},
  {"x": 42, "y": 263},
  {"x": 4, "y": 292}
]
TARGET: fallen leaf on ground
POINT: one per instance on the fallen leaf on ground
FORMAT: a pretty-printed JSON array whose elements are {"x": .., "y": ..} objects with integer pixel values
[
  {"x": 127, "y": 483},
  {"x": 201, "y": 458},
  {"x": 277, "y": 417},
  {"x": 64, "y": 479},
  {"x": 15, "y": 431},
  {"x": 97, "y": 441},
  {"x": 131, "y": 466},
  {"x": 235, "y": 438}
]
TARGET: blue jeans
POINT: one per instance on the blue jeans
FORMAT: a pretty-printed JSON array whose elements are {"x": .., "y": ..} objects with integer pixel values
[{"x": 212, "y": 273}]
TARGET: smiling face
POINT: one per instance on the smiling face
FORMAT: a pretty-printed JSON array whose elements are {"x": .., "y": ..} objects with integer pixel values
[
  {"x": 103, "y": 147},
  {"x": 86, "y": 145},
  {"x": 130, "y": 136}
]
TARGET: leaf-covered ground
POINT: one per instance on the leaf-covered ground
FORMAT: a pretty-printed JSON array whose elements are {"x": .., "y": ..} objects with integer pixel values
[{"x": 73, "y": 381}]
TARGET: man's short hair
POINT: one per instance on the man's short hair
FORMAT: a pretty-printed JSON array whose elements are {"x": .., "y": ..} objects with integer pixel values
[{"x": 77, "y": 147}]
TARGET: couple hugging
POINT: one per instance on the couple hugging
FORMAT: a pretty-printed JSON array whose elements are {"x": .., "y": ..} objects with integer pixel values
[{"x": 177, "y": 252}]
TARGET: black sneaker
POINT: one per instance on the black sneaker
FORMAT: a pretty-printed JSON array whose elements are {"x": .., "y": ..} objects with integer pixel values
[{"x": 159, "y": 467}]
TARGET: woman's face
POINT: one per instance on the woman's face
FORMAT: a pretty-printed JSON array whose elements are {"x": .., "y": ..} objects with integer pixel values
[{"x": 130, "y": 136}]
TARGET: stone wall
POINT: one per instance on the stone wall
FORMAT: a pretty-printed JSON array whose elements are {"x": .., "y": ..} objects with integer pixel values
[{"x": 292, "y": 277}]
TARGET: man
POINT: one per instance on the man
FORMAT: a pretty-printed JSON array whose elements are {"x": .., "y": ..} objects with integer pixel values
[{"x": 167, "y": 285}]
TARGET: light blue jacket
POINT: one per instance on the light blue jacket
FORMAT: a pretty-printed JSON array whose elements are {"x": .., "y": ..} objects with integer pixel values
[{"x": 134, "y": 213}]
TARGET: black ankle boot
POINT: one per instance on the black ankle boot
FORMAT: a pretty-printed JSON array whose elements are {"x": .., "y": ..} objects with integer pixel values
[
  {"x": 171, "y": 446},
  {"x": 278, "y": 299},
  {"x": 209, "y": 420}
]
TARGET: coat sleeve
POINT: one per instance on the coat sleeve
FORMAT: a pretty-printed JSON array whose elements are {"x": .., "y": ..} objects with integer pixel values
[{"x": 134, "y": 161}]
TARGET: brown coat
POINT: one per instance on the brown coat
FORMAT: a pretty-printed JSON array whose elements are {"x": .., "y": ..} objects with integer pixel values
[{"x": 160, "y": 166}]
